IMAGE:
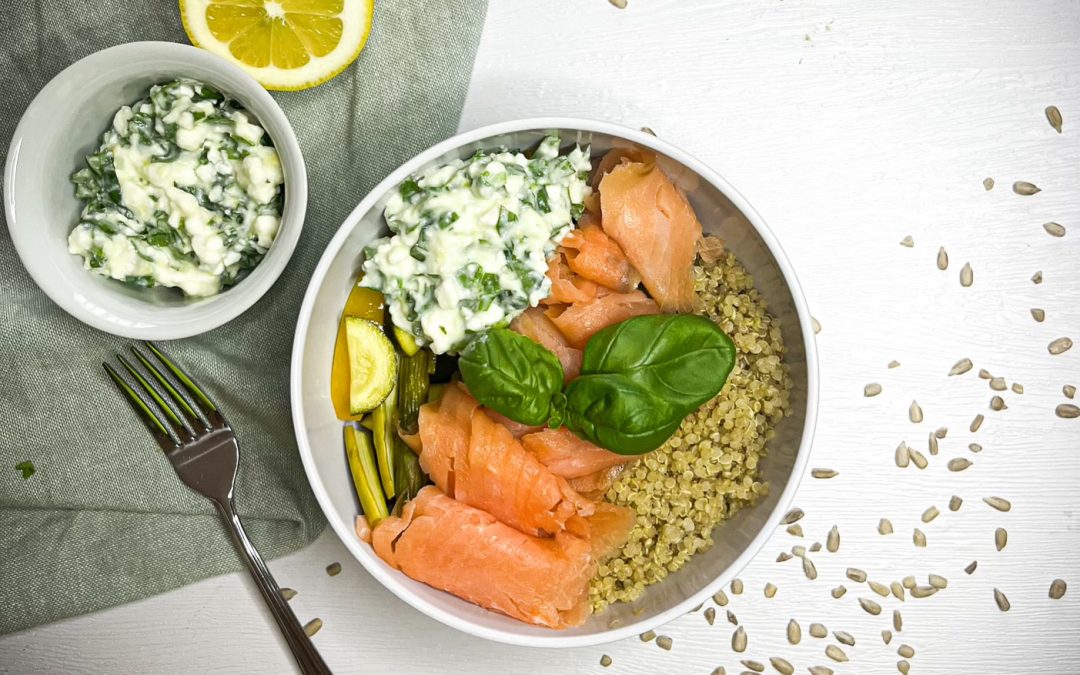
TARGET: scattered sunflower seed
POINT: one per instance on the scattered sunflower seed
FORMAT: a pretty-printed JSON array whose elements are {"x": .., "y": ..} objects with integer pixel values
[
  {"x": 737, "y": 586},
  {"x": 907, "y": 241},
  {"x": 915, "y": 412},
  {"x": 755, "y": 666},
  {"x": 783, "y": 556},
  {"x": 844, "y": 638},
  {"x": 818, "y": 630},
  {"x": 897, "y": 621},
  {"x": 886, "y": 636},
  {"x": 998, "y": 404},
  {"x": 856, "y": 575},
  {"x": 820, "y": 670},
  {"x": 870, "y": 606},
  {"x": 906, "y": 651},
  {"x": 738, "y": 640},
  {"x": 884, "y": 526},
  {"x": 932, "y": 444},
  {"x": 998, "y": 383},
  {"x": 794, "y": 632},
  {"x": 720, "y": 598},
  {"x": 836, "y": 654},
  {"x": 838, "y": 592},
  {"x": 782, "y": 666},
  {"x": 618, "y": 4},
  {"x": 1054, "y": 229},
  {"x": 1024, "y": 188},
  {"x": 998, "y": 503},
  {"x": 792, "y": 516},
  {"x": 824, "y": 473},
  {"x": 970, "y": 569},
  {"x": 903, "y": 455},
  {"x": 955, "y": 502},
  {"x": 929, "y": 514},
  {"x": 1068, "y": 390},
  {"x": 815, "y": 547},
  {"x": 816, "y": 325},
  {"x": 770, "y": 590},
  {"x": 719, "y": 670},
  {"x": 959, "y": 463},
  {"x": 798, "y": 551},
  {"x": 795, "y": 530},
  {"x": 710, "y": 615},
  {"x": 605, "y": 660},
  {"x": 908, "y": 582},
  {"x": 647, "y": 636},
  {"x": 879, "y": 588},
  {"x": 1001, "y": 538},
  {"x": 1067, "y": 411},
  {"x": 872, "y": 389},
  {"x": 1057, "y": 589},
  {"x": 984, "y": 374},
  {"x": 904, "y": 667},
  {"x": 1037, "y": 278},
  {"x": 1059, "y": 346},
  {"x": 1053, "y": 116},
  {"x": 960, "y": 367},
  {"x": 1001, "y": 600},
  {"x": 1038, "y": 314},
  {"x": 976, "y": 423},
  {"x": 918, "y": 459},
  {"x": 697, "y": 608},
  {"x": 967, "y": 277},
  {"x": 732, "y": 619},
  {"x": 937, "y": 581},
  {"x": 894, "y": 364},
  {"x": 942, "y": 259},
  {"x": 648, "y": 130},
  {"x": 988, "y": 184},
  {"x": 288, "y": 594},
  {"x": 1017, "y": 388},
  {"x": 974, "y": 447},
  {"x": 313, "y": 626},
  {"x": 809, "y": 569},
  {"x": 923, "y": 591},
  {"x": 897, "y": 590},
  {"x": 919, "y": 537},
  {"x": 832, "y": 540},
  {"x": 664, "y": 642},
  {"x": 333, "y": 569}
]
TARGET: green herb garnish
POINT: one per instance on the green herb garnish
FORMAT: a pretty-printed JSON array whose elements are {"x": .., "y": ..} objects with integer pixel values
[{"x": 26, "y": 467}]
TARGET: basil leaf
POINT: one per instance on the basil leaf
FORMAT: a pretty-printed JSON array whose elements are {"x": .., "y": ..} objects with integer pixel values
[
  {"x": 513, "y": 376},
  {"x": 617, "y": 413},
  {"x": 683, "y": 359}
]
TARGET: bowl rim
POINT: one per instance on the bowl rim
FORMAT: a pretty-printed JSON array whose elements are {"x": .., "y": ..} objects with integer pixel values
[
  {"x": 345, "y": 531},
  {"x": 220, "y": 308}
]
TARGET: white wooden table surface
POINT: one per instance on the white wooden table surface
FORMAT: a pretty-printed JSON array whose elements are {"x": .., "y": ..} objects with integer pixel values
[{"x": 849, "y": 125}]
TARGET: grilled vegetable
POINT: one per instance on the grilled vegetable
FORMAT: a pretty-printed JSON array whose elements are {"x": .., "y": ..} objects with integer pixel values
[
  {"x": 384, "y": 432},
  {"x": 372, "y": 364},
  {"x": 406, "y": 341},
  {"x": 365, "y": 304},
  {"x": 414, "y": 380},
  {"x": 361, "y": 455}
]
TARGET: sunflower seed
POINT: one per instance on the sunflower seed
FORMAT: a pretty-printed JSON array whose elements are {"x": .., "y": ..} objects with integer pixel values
[
  {"x": 838, "y": 592},
  {"x": 647, "y": 636},
  {"x": 832, "y": 540},
  {"x": 288, "y": 594},
  {"x": 1001, "y": 538},
  {"x": 959, "y": 463},
  {"x": 824, "y": 473},
  {"x": 897, "y": 590},
  {"x": 808, "y": 569},
  {"x": 907, "y": 241},
  {"x": 941, "y": 432},
  {"x": 783, "y": 556},
  {"x": 984, "y": 374},
  {"x": 1068, "y": 390},
  {"x": 942, "y": 259},
  {"x": 886, "y": 636},
  {"x": 313, "y": 626},
  {"x": 782, "y": 666},
  {"x": 856, "y": 575},
  {"x": 974, "y": 447},
  {"x": 818, "y": 630},
  {"x": 919, "y": 537},
  {"x": 1038, "y": 314},
  {"x": 932, "y": 444},
  {"x": 923, "y": 591},
  {"x": 903, "y": 455},
  {"x": 333, "y": 569},
  {"x": 1001, "y": 600},
  {"x": 1053, "y": 116},
  {"x": 998, "y": 404},
  {"x": 1017, "y": 388},
  {"x": 664, "y": 642},
  {"x": 879, "y": 588},
  {"x": 792, "y": 516},
  {"x": 844, "y": 638},
  {"x": 732, "y": 619},
  {"x": 815, "y": 547},
  {"x": 798, "y": 551},
  {"x": 894, "y": 364},
  {"x": 1024, "y": 188},
  {"x": 904, "y": 667},
  {"x": 816, "y": 325},
  {"x": 1057, "y": 589},
  {"x": 1054, "y": 229},
  {"x": 738, "y": 640},
  {"x": 998, "y": 383},
  {"x": 970, "y": 569},
  {"x": 737, "y": 586},
  {"x": 937, "y": 581},
  {"x": 960, "y": 367},
  {"x": 1037, "y": 278},
  {"x": 929, "y": 514},
  {"x": 605, "y": 660},
  {"x": 918, "y": 458},
  {"x": 988, "y": 184},
  {"x": 770, "y": 590},
  {"x": 998, "y": 503},
  {"x": 618, "y": 4},
  {"x": 870, "y": 606},
  {"x": 967, "y": 277},
  {"x": 908, "y": 582},
  {"x": 648, "y": 130},
  {"x": 820, "y": 670},
  {"x": 1059, "y": 346},
  {"x": 976, "y": 423},
  {"x": 897, "y": 621},
  {"x": 1067, "y": 411},
  {"x": 906, "y": 651},
  {"x": 720, "y": 598},
  {"x": 698, "y": 608},
  {"x": 872, "y": 389},
  {"x": 710, "y": 615},
  {"x": 915, "y": 412},
  {"x": 719, "y": 670},
  {"x": 755, "y": 666},
  {"x": 836, "y": 654},
  {"x": 794, "y": 632},
  {"x": 884, "y": 526},
  {"x": 795, "y": 530}
]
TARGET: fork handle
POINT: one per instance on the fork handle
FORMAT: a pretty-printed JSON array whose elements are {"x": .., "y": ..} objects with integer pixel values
[{"x": 303, "y": 649}]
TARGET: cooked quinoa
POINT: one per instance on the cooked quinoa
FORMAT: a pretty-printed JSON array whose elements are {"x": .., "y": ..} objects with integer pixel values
[{"x": 708, "y": 470}]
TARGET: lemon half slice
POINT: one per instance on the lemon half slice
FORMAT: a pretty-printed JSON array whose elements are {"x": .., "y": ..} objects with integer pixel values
[{"x": 284, "y": 44}]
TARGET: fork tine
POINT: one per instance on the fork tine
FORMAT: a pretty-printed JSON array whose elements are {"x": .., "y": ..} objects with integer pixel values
[
  {"x": 142, "y": 409},
  {"x": 182, "y": 400},
  {"x": 188, "y": 383},
  {"x": 179, "y": 425}
]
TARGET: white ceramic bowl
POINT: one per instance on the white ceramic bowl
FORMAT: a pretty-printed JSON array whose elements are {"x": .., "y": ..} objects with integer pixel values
[
  {"x": 64, "y": 123},
  {"x": 723, "y": 211}
]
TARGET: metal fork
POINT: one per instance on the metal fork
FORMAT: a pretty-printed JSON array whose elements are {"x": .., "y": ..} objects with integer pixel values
[{"x": 202, "y": 448}]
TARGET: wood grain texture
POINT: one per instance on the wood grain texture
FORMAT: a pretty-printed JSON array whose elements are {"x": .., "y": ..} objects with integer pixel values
[{"x": 848, "y": 126}]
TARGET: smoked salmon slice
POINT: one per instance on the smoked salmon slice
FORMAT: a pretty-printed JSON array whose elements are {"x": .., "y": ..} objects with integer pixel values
[
  {"x": 595, "y": 485},
  {"x": 536, "y": 326},
  {"x": 656, "y": 227},
  {"x": 566, "y": 455},
  {"x": 567, "y": 287},
  {"x": 609, "y": 528},
  {"x": 595, "y": 256},
  {"x": 465, "y": 551},
  {"x": 477, "y": 461},
  {"x": 582, "y": 320}
]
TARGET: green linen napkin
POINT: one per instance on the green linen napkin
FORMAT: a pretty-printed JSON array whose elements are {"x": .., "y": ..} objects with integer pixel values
[{"x": 104, "y": 520}]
